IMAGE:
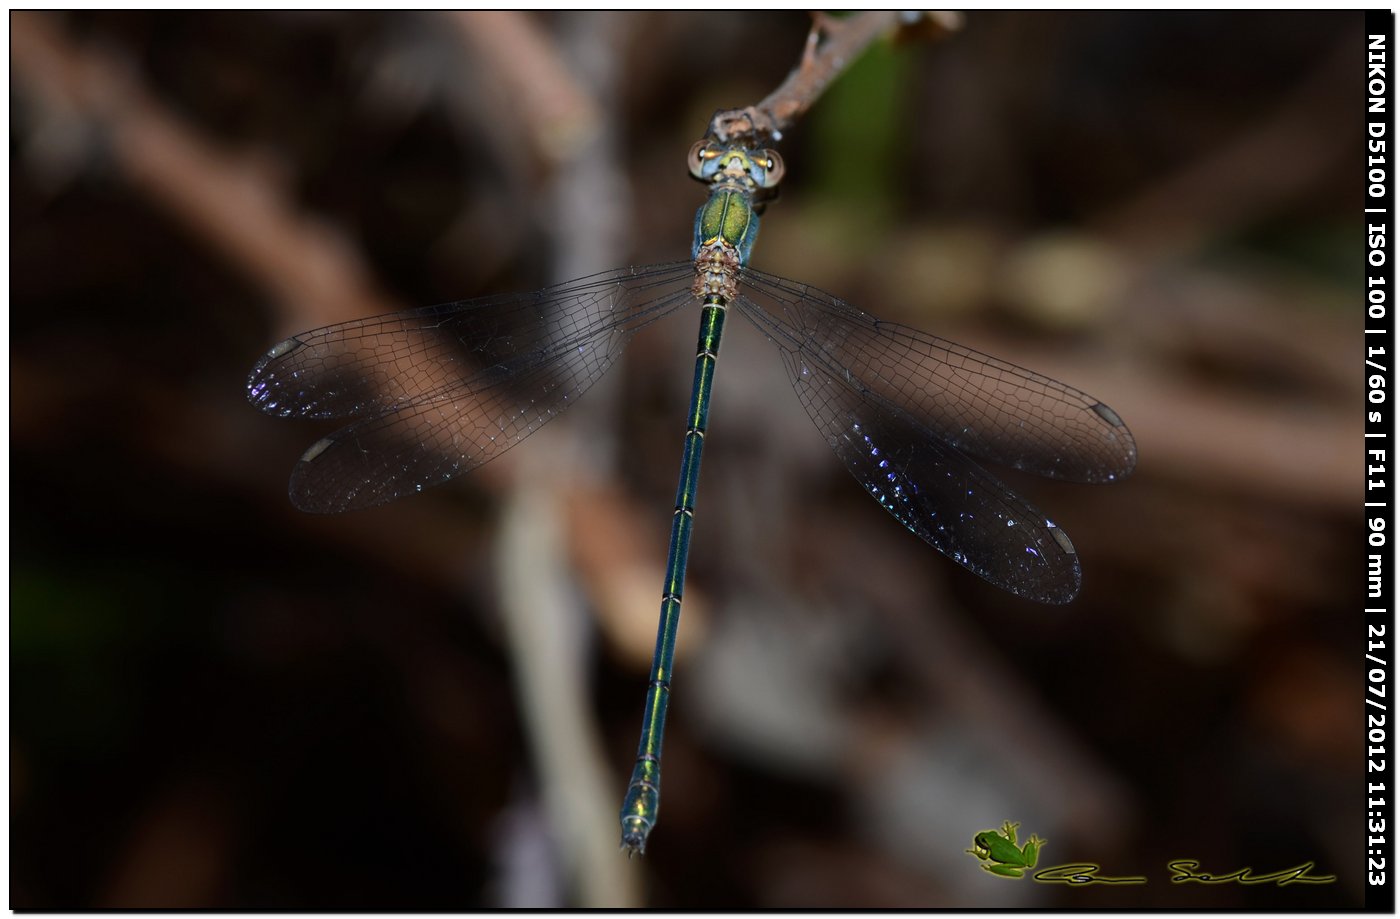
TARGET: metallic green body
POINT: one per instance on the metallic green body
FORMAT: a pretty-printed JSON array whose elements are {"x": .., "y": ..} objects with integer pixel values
[
  {"x": 725, "y": 229},
  {"x": 727, "y": 216},
  {"x": 640, "y": 806}
]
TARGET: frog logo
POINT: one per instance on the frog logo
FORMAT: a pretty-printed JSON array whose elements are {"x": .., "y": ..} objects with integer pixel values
[{"x": 999, "y": 853}]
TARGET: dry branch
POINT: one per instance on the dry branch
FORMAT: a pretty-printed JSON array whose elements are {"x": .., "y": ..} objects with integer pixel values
[{"x": 832, "y": 46}]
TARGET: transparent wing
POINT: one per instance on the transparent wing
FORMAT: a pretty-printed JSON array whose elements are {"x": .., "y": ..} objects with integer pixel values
[
  {"x": 354, "y": 368},
  {"x": 942, "y": 496},
  {"x": 978, "y": 404},
  {"x": 441, "y": 390}
]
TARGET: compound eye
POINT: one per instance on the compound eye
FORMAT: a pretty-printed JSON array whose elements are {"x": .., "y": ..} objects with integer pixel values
[
  {"x": 773, "y": 169},
  {"x": 704, "y": 160},
  {"x": 696, "y": 159}
]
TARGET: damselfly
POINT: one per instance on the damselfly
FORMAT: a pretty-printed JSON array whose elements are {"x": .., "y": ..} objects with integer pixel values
[{"x": 436, "y": 392}]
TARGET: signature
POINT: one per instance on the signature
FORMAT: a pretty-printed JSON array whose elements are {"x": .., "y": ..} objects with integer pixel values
[
  {"x": 1183, "y": 873},
  {"x": 1082, "y": 874},
  {"x": 1001, "y": 854}
]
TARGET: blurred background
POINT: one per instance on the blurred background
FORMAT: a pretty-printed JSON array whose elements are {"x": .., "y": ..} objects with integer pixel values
[{"x": 217, "y": 701}]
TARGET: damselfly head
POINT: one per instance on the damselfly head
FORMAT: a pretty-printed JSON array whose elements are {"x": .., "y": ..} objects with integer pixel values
[{"x": 713, "y": 162}]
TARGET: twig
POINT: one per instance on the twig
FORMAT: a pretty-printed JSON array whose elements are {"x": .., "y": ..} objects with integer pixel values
[{"x": 832, "y": 46}]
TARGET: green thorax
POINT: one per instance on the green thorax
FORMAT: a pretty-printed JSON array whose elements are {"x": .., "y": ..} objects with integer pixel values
[
  {"x": 738, "y": 178},
  {"x": 727, "y": 217}
]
